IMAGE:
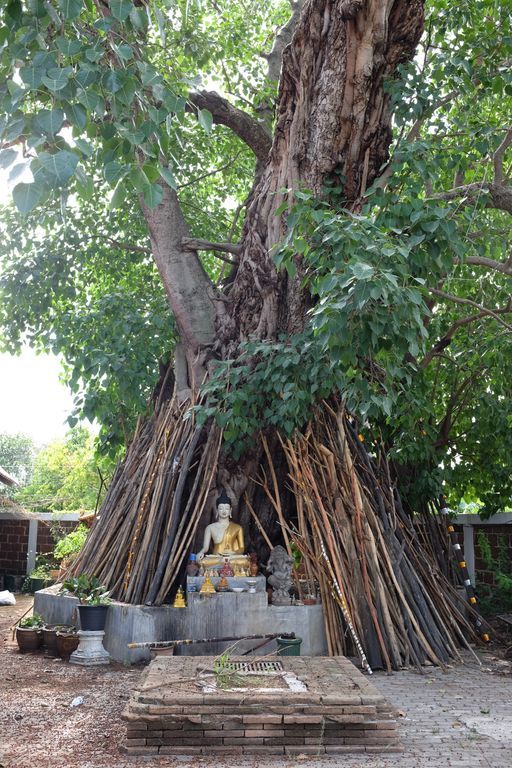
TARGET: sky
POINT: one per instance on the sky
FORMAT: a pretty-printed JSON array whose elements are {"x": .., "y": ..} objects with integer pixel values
[{"x": 32, "y": 399}]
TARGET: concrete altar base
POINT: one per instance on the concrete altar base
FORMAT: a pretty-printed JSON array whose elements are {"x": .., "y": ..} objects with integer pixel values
[
  {"x": 312, "y": 706},
  {"x": 90, "y": 652},
  {"x": 225, "y": 614}
]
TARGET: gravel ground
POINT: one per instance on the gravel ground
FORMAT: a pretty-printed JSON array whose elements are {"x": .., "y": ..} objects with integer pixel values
[{"x": 461, "y": 718}]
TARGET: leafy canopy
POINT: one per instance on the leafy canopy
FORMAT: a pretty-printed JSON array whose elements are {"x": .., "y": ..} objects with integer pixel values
[
  {"x": 411, "y": 320},
  {"x": 67, "y": 476},
  {"x": 109, "y": 83}
]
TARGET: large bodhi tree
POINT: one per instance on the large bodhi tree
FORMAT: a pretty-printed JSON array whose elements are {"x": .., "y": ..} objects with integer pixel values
[{"x": 108, "y": 71}]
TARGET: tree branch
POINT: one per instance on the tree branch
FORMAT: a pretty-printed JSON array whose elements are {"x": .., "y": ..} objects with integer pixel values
[
  {"x": 230, "y": 162},
  {"x": 194, "y": 244},
  {"x": 499, "y": 156},
  {"x": 500, "y": 195},
  {"x": 246, "y": 127},
  {"x": 446, "y": 339},
  {"x": 123, "y": 246},
  {"x": 482, "y": 261},
  {"x": 283, "y": 37},
  {"x": 469, "y": 302}
]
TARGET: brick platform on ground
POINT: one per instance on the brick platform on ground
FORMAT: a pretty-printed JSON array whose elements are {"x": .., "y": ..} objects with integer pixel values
[{"x": 339, "y": 712}]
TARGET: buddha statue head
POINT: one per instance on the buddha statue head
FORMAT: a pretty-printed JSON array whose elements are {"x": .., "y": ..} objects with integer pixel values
[{"x": 223, "y": 506}]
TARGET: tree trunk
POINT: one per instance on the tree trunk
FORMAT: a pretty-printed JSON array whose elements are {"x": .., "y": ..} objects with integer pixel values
[
  {"x": 332, "y": 119},
  {"x": 333, "y": 122}
]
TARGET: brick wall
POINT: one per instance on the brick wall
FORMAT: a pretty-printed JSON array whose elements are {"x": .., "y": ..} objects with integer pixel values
[
  {"x": 14, "y": 543},
  {"x": 13, "y": 546}
]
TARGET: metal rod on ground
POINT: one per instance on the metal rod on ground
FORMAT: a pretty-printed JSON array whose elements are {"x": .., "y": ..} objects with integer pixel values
[
  {"x": 346, "y": 614},
  {"x": 170, "y": 643}
]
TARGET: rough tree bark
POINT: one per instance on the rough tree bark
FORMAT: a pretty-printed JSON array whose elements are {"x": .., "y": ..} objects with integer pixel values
[{"x": 332, "y": 120}]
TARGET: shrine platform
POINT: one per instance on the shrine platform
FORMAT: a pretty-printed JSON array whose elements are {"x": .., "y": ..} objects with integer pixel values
[
  {"x": 224, "y": 614},
  {"x": 295, "y": 705}
]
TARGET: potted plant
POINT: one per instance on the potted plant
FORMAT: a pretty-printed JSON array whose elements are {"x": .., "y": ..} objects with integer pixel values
[
  {"x": 94, "y": 601},
  {"x": 29, "y": 633},
  {"x": 40, "y": 578}
]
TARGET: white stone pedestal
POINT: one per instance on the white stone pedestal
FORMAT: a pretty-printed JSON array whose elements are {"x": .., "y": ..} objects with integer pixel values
[{"x": 90, "y": 652}]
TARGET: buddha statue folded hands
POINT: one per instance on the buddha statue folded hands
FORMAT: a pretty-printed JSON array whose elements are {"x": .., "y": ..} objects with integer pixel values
[{"x": 227, "y": 538}]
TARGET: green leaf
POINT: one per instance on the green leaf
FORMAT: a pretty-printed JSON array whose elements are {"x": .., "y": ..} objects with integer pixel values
[
  {"x": 37, "y": 8},
  {"x": 68, "y": 47},
  {"x": 26, "y": 196},
  {"x": 115, "y": 171},
  {"x": 49, "y": 120},
  {"x": 52, "y": 13},
  {"x": 112, "y": 81},
  {"x": 70, "y": 8},
  {"x": 7, "y": 157},
  {"x": 86, "y": 75},
  {"x": 139, "y": 18},
  {"x": 205, "y": 118},
  {"x": 153, "y": 195},
  {"x": 125, "y": 51},
  {"x": 91, "y": 100},
  {"x": 56, "y": 79},
  {"x": 17, "y": 170},
  {"x": 60, "y": 165},
  {"x": 168, "y": 176},
  {"x": 76, "y": 115},
  {"x": 362, "y": 271},
  {"x": 85, "y": 148},
  {"x": 15, "y": 128},
  {"x": 121, "y": 9},
  {"x": 32, "y": 76},
  {"x": 119, "y": 196}
]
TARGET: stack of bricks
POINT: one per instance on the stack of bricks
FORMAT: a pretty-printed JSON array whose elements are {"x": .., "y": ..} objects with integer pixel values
[{"x": 340, "y": 712}]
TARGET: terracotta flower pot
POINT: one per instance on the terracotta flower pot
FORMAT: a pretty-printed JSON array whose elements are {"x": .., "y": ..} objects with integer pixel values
[
  {"x": 50, "y": 637},
  {"x": 67, "y": 642},
  {"x": 29, "y": 639}
]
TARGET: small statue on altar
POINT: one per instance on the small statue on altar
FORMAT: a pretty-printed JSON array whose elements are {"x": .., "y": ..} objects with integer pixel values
[
  {"x": 227, "y": 538},
  {"x": 253, "y": 566},
  {"x": 227, "y": 569},
  {"x": 280, "y": 565}
]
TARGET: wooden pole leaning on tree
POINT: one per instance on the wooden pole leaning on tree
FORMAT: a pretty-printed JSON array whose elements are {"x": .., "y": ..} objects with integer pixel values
[
  {"x": 354, "y": 532},
  {"x": 147, "y": 525}
]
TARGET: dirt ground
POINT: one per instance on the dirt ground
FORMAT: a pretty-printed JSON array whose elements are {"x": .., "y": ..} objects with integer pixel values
[
  {"x": 38, "y": 726},
  {"x": 40, "y": 729}
]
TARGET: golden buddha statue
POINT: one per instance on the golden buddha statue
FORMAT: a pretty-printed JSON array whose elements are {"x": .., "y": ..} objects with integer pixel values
[{"x": 227, "y": 538}]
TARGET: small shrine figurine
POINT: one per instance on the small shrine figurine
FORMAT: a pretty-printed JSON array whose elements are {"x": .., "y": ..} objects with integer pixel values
[
  {"x": 280, "y": 566},
  {"x": 207, "y": 587},
  {"x": 253, "y": 566},
  {"x": 226, "y": 569},
  {"x": 223, "y": 585},
  {"x": 226, "y": 537},
  {"x": 179, "y": 600}
]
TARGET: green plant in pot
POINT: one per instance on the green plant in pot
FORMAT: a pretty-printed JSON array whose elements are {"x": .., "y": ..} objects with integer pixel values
[
  {"x": 29, "y": 633},
  {"x": 40, "y": 578},
  {"x": 94, "y": 601}
]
